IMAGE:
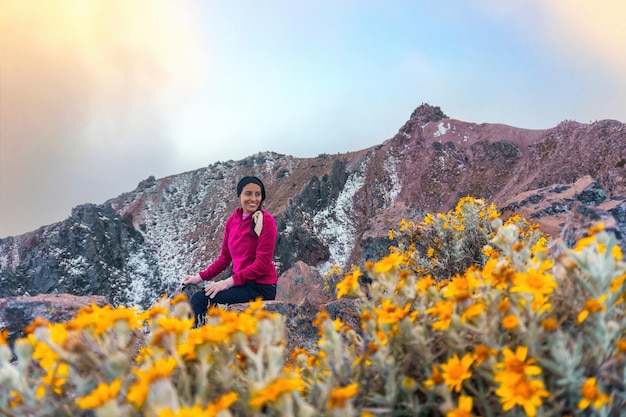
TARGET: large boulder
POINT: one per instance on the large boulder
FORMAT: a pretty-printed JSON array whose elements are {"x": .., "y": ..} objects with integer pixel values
[{"x": 16, "y": 313}]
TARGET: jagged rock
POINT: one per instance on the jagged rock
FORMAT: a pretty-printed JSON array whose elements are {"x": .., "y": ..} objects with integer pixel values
[
  {"x": 302, "y": 284},
  {"x": 582, "y": 216},
  {"x": 567, "y": 211},
  {"x": 16, "y": 313}
]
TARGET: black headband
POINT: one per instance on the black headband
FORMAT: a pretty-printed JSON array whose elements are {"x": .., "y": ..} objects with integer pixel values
[{"x": 247, "y": 180}]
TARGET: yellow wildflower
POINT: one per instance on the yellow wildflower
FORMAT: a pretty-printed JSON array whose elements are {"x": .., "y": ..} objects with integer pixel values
[
  {"x": 490, "y": 252},
  {"x": 526, "y": 393},
  {"x": 443, "y": 310},
  {"x": 504, "y": 305},
  {"x": 174, "y": 324},
  {"x": 514, "y": 366},
  {"x": 211, "y": 410},
  {"x": 138, "y": 392},
  {"x": 349, "y": 282},
  {"x": 339, "y": 396},
  {"x": 456, "y": 370},
  {"x": 388, "y": 313},
  {"x": 481, "y": 353},
  {"x": 549, "y": 324},
  {"x": 100, "y": 395},
  {"x": 535, "y": 281},
  {"x": 592, "y": 396},
  {"x": 274, "y": 390},
  {"x": 592, "y": 306},
  {"x": 464, "y": 408},
  {"x": 460, "y": 287},
  {"x": 475, "y": 310},
  {"x": 423, "y": 284},
  {"x": 388, "y": 262},
  {"x": 510, "y": 321},
  {"x": 391, "y": 234},
  {"x": 435, "y": 378}
]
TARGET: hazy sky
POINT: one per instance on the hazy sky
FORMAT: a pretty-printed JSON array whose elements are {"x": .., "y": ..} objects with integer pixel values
[{"x": 97, "y": 95}]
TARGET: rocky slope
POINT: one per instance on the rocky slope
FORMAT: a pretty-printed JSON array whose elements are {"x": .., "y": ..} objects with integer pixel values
[{"x": 332, "y": 209}]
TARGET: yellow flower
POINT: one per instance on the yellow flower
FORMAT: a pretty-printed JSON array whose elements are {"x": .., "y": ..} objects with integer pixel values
[
  {"x": 174, "y": 324},
  {"x": 443, "y": 310},
  {"x": 339, "y": 396},
  {"x": 456, "y": 370},
  {"x": 550, "y": 324},
  {"x": 212, "y": 409},
  {"x": 388, "y": 262},
  {"x": 464, "y": 409},
  {"x": 409, "y": 384},
  {"x": 459, "y": 288},
  {"x": 473, "y": 311},
  {"x": 510, "y": 321},
  {"x": 435, "y": 378},
  {"x": 388, "y": 313},
  {"x": 100, "y": 396},
  {"x": 138, "y": 392},
  {"x": 481, "y": 353},
  {"x": 490, "y": 252},
  {"x": 514, "y": 366},
  {"x": 274, "y": 390},
  {"x": 504, "y": 305},
  {"x": 423, "y": 284},
  {"x": 592, "y": 306},
  {"x": 617, "y": 283},
  {"x": 526, "y": 393},
  {"x": 390, "y": 234},
  {"x": 430, "y": 252},
  {"x": 535, "y": 281},
  {"x": 591, "y": 395},
  {"x": 349, "y": 282}
]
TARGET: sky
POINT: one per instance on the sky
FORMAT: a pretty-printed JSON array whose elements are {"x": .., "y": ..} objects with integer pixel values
[{"x": 98, "y": 95}]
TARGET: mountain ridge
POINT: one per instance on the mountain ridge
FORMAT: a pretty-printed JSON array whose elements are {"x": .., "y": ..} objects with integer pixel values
[{"x": 330, "y": 209}]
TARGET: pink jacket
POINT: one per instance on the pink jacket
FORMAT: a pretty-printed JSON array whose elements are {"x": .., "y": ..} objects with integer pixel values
[{"x": 252, "y": 256}]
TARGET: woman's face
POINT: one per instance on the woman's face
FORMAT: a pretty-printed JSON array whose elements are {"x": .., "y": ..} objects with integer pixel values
[{"x": 250, "y": 197}]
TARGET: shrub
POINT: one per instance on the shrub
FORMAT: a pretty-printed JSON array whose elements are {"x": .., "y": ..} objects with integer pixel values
[{"x": 486, "y": 323}]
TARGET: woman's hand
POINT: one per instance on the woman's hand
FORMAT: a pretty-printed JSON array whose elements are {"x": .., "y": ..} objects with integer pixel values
[
  {"x": 191, "y": 279},
  {"x": 214, "y": 287}
]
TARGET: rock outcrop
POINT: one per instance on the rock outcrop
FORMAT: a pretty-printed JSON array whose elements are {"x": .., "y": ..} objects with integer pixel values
[{"x": 16, "y": 313}]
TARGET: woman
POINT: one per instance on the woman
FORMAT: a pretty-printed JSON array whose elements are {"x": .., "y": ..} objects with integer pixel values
[{"x": 249, "y": 240}]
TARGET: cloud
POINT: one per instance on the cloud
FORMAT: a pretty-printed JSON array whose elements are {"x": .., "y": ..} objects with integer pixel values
[
  {"x": 589, "y": 34},
  {"x": 84, "y": 87}
]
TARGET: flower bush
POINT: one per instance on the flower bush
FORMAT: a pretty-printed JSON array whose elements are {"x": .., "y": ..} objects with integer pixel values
[{"x": 467, "y": 315}]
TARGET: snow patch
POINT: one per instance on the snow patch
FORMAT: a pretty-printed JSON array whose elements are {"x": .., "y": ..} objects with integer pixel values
[
  {"x": 335, "y": 226},
  {"x": 389, "y": 165},
  {"x": 442, "y": 129}
]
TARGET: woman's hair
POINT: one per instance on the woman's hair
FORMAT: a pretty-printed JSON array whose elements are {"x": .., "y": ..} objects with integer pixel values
[{"x": 254, "y": 180}]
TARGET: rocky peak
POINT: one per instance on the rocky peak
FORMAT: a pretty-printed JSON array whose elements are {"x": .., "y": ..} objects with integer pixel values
[{"x": 426, "y": 113}]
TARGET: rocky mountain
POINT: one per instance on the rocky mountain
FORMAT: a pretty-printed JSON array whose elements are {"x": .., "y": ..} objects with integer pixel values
[{"x": 332, "y": 209}]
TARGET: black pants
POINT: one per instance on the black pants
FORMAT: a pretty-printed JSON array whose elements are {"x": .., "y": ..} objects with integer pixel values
[{"x": 241, "y": 294}]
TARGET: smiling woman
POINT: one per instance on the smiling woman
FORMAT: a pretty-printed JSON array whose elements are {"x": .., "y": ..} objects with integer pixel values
[{"x": 248, "y": 244}]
